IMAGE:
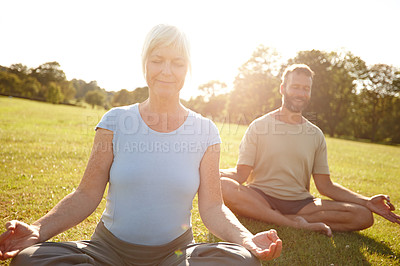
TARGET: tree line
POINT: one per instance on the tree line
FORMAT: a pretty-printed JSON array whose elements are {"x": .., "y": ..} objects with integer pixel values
[
  {"x": 349, "y": 98},
  {"x": 48, "y": 83}
]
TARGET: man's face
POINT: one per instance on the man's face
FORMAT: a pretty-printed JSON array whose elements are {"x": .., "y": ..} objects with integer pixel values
[{"x": 297, "y": 92}]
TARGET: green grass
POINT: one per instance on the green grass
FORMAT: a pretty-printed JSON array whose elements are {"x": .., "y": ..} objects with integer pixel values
[{"x": 44, "y": 149}]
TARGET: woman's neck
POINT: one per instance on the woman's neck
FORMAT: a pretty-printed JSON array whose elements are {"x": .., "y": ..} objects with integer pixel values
[
  {"x": 163, "y": 115},
  {"x": 162, "y": 106},
  {"x": 157, "y": 104}
]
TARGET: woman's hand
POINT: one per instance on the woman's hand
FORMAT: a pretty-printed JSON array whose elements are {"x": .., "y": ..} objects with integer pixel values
[
  {"x": 264, "y": 245},
  {"x": 18, "y": 236}
]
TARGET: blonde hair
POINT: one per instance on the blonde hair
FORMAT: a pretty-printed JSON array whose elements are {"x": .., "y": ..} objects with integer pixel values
[
  {"x": 164, "y": 35},
  {"x": 296, "y": 68}
]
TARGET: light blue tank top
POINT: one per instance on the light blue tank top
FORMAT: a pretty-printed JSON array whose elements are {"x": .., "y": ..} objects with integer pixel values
[{"x": 154, "y": 176}]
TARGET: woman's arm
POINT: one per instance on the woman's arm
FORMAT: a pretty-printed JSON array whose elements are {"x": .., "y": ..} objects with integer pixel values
[
  {"x": 78, "y": 205},
  {"x": 220, "y": 220},
  {"x": 71, "y": 210}
]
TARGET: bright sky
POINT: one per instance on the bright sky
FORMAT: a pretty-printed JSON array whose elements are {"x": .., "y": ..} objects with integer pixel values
[{"x": 102, "y": 40}]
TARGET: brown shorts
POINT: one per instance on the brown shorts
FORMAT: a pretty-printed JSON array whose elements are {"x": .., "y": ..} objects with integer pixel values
[
  {"x": 284, "y": 206},
  {"x": 105, "y": 249}
]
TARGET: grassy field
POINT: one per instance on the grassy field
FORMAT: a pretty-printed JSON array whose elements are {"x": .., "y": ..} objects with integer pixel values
[{"x": 44, "y": 149}]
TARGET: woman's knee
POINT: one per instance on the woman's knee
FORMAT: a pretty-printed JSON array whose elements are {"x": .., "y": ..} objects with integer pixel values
[
  {"x": 51, "y": 253},
  {"x": 246, "y": 257},
  {"x": 239, "y": 255},
  {"x": 222, "y": 253},
  {"x": 24, "y": 257}
]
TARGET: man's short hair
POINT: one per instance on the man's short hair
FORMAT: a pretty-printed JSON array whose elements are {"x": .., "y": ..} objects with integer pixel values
[{"x": 296, "y": 68}]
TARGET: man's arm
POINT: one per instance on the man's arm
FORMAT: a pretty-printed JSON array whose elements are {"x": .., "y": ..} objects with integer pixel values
[
  {"x": 380, "y": 204},
  {"x": 337, "y": 192},
  {"x": 240, "y": 173}
]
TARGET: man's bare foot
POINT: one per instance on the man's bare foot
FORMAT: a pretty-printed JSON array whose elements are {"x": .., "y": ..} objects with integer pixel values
[{"x": 319, "y": 227}]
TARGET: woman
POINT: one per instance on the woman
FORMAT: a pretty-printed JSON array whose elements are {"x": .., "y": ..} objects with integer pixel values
[{"x": 162, "y": 155}]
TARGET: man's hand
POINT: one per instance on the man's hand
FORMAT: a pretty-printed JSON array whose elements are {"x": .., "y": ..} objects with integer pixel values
[
  {"x": 264, "y": 245},
  {"x": 18, "y": 236},
  {"x": 380, "y": 204}
]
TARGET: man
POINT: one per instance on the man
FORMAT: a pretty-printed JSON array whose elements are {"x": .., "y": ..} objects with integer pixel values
[{"x": 278, "y": 154}]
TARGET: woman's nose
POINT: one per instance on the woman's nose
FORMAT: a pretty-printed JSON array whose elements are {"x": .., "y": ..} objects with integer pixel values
[{"x": 167, "y": 68}]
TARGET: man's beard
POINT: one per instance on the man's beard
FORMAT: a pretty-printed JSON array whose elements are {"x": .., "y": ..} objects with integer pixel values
[{"x": 295, "y": 107}]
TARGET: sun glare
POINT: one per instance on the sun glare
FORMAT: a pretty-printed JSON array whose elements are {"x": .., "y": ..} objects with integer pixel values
[{"x": 103, "y": 42}]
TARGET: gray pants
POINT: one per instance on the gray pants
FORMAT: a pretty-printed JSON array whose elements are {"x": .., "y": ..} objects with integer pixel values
[{"x": 106, "y": 249}]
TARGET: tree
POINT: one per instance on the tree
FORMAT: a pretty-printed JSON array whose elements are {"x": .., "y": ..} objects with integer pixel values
[
  {"x": 53, "y": 93},
  {"x": 20, "y": 70},
  {"x": 67, "y": 89},
  {"x": 348, "y": 72},
  {"x": 390, "y": 126},
  {"x": 212, "y": 103},
  {"x": 122, "y": 97},
  {"x": 81, "y": 87},
  {"x": 346, "y": 69},
  {"x": 378, "y": 100},
  {"x": 196, "y": 104},
  {"x": 140, "y": 94},
  {"x": 10, "y": 84},
  {"x": 256, "y": 87},
  {"x": 215, "y": 107},
  {"x": 212, "y": 88},
  {"x": 125, "y": 97},
  {"x": 95, "y": 98},
  {"x": 49, "y": 72},
  {"x": 30, "y": 87}
]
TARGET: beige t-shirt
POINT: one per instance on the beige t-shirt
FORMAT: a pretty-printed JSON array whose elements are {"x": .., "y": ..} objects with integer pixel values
[{"x": 283, "y": 156}]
